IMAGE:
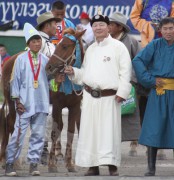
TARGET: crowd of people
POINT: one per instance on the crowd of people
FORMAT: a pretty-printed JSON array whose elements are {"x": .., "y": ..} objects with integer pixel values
[{"x": 114, "y": 61}]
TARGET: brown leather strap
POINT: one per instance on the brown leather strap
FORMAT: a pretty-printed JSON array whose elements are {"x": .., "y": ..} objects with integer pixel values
[{"x": 105, "y": 92}]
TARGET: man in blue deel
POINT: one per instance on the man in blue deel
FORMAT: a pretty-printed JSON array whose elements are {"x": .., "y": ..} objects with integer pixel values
[{"x": 154, "y": 67}]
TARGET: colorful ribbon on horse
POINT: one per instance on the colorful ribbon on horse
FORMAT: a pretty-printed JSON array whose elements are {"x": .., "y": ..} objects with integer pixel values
[
  {"x": 53, "y": 85},
  {"x": 71, "y": 37}
]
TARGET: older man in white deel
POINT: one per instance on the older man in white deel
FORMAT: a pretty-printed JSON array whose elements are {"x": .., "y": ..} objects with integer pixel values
[{"x": 105, "y": 74}]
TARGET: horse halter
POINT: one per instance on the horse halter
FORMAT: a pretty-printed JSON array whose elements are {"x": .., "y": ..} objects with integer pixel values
[{"x": 71, "y": 57}]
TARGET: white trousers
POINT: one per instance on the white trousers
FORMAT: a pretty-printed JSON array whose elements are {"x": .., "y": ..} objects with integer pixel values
[{"x": 36, "y": 142}]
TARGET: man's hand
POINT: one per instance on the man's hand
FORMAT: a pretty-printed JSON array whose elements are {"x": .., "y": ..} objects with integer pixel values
[
  {"x": 159, "y": 82},
  {"x": 20, "y": 108},
  {"x": 119, "y": 99},
  {"x": 60, "y": 78},
  {"x": 69, "y": 70}
]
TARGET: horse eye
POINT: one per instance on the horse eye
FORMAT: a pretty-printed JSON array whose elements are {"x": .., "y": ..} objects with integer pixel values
[{"x": 64, "y": 47}]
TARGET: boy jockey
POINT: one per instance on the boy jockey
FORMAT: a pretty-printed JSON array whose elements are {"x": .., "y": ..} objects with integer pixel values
[{"x": 30, "y": 91}]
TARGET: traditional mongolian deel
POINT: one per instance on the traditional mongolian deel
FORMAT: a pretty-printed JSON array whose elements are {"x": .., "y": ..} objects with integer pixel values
[
  {"x": 146, "y": 15},
  {"x": 22, "y": 83},
  {"x": 47, "y": 47},
  {"x": 157, "y": 129},
  {"x": 36, "y": 102},
  {"x": 156, "y": 10},
  {"x": 130, "y": 122},
  {"x": 100, "y": 130},
  {"x": 29, "y": 85}
]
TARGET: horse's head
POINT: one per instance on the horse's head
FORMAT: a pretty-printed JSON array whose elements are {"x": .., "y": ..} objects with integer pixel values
[{"x": 64, "y": 52}]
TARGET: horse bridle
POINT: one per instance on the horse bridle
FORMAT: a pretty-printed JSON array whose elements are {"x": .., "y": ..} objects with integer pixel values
[{"x": 72, "y": 56}]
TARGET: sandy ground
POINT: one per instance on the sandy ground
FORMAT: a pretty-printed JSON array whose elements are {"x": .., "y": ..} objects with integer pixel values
[{"x": 130, "y": 167}]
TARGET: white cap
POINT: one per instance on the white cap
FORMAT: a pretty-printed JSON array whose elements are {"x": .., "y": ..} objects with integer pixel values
[{"x": 29, "y": 31}]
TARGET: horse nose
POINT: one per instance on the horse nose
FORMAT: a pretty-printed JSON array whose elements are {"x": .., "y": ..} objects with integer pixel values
[{"x": 49, "y": 67}]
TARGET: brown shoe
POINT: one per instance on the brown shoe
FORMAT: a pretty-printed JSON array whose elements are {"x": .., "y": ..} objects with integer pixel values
[
  {"x": 113, "y": 171},
  {"x": 92, "y": 171}
]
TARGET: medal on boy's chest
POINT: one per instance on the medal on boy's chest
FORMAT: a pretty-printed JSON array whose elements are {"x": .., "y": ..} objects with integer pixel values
[
  {"x": 35, "y": 84},
  {"x": 35, "y": 74}
]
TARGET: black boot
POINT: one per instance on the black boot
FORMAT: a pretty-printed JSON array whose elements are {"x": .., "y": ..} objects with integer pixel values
[
  {"x": 113, "y": 170},
  {"x": 92, "y": 171},
  {"x": 151, "y": 159}
]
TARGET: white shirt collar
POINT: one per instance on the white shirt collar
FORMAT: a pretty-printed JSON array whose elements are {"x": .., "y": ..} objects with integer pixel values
[
  {"x": 44, "y": 35},
  {"x": 104, "y": 42}
]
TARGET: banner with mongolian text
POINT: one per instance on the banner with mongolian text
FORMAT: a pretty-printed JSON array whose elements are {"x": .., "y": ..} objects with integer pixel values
[{"x": 21, "y": 11}]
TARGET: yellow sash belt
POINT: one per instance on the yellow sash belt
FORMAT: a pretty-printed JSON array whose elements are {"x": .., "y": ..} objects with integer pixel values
[{"x": 169, "y": 85}]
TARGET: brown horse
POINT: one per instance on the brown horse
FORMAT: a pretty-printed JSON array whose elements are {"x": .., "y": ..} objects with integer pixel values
[
  {"x": 7, "y": 120},
  {"x": 64, "y": 53},
  {"x": 64, "y": 50}
]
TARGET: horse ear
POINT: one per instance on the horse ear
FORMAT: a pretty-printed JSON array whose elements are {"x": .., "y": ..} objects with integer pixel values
[{"x": 79, "y": 34}]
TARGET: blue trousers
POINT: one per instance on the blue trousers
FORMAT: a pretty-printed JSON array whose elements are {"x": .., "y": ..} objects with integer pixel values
[{"x": 36, "y": 142}]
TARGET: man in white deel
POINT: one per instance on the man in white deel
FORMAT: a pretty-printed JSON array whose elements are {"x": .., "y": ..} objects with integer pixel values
[{"x": 105, "y": 74}]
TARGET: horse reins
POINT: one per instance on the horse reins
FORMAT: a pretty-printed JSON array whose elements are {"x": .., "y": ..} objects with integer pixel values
[{"x": 72, "y": 56}]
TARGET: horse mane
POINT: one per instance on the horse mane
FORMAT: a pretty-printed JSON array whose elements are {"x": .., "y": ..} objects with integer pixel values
[{"x": 69, "y": 31}]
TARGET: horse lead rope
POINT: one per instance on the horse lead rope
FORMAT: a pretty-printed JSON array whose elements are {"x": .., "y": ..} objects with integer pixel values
[
  {"x": 72, "y": 56},
  {"x": 78, "y": 94}
]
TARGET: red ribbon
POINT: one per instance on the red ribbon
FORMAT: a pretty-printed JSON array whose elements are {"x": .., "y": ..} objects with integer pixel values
[{"x": 35, "y": 75}]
